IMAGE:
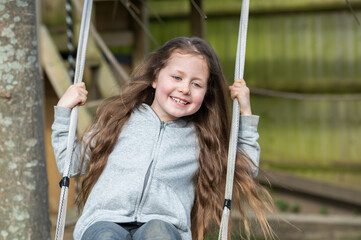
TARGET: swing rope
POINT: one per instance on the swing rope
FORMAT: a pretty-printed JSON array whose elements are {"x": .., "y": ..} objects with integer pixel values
[
  {"x": 238, "y": 74},
  {"x": 79, "y": 69}
]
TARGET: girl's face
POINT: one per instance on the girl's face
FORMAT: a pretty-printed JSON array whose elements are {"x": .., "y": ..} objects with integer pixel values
[{"x": 180, "y": 86}]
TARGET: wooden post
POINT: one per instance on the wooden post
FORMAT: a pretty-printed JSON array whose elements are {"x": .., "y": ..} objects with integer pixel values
[
  {"x": 197, "y": 21},
  {"x": 141, "y": 42}
]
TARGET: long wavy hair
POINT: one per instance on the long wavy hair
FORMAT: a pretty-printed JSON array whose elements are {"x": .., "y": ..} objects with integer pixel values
[{"x": 212, "y": 124}]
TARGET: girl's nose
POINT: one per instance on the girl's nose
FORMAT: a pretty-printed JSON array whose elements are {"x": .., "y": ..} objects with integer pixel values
[{"x": 184, "y": 88}]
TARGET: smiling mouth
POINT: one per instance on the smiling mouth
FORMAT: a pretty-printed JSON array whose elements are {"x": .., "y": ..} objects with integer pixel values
[{"x": 177, "y": 100}]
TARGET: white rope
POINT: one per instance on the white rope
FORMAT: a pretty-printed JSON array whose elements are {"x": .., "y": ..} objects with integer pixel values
[
  {"x": 107, "y": 53},
  {"x": 238, "y": 74},
  {"x": 79, "y": 69}
]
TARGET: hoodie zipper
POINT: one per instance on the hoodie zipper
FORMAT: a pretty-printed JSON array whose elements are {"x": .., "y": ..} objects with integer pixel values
[{"x": 147, "y": 175}]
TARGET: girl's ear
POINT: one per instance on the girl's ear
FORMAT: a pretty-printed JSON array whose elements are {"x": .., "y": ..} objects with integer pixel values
[{"x": 154, "y": 84}]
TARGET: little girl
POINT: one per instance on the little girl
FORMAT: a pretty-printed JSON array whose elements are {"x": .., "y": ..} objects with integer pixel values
[{"x": 154, "y": 160}]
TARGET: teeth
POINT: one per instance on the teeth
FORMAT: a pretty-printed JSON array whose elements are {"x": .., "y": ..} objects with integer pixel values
[{"x": 179, "y": 101}]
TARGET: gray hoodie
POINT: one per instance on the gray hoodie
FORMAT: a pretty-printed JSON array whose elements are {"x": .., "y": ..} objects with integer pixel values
[{"x": 149, "y": 174}]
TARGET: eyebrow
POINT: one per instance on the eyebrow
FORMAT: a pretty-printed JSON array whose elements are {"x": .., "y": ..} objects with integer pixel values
[{"x": 181, "y": 72}]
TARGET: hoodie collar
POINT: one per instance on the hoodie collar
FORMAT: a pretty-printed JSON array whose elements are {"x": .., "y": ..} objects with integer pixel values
[{"x": 147, "y": 111}]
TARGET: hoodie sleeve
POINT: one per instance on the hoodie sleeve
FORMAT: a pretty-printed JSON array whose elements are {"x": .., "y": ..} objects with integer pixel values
[
  {"x": 247, "y": 140},
  {"x": 59, "y": 140}
]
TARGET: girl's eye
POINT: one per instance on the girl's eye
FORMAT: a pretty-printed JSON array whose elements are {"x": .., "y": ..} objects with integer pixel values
[
  {"x": 177, "y": 78},
  {"x": 196, "y": 85}
]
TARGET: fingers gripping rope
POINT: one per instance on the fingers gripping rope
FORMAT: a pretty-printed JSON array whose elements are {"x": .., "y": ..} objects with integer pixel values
[
  {"x": 83, "y": 39},
  {"x": 239, "y": 70}
]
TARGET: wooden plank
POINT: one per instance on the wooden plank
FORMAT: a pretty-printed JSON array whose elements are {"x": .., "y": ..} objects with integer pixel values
[
  {"x": 52, "y": 63},
  {"x": 291, "y": 182},
  {"x": 93, "y": 56},
  {"x": 141, "y": 47},
  {"x": 117, "y": 38},
  {"x": 177, "y": 9},
  {"x": 111, "y": 39},
  {"x": 57, "y": 73},
  {"x": 331, "y": 166},
  {"x": 105, "y": 80},
  {"x": 123, "y": 76},
  {"x": 305, "y": 226}
]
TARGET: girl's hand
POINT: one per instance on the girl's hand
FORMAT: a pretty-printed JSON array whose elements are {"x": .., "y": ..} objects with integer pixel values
[
  {"x": 74, "y": 95},
  {"x": 240, "y": 91}
]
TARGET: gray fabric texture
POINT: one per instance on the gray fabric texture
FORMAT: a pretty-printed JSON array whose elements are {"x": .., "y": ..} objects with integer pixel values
[{"x": 168, "y": 151}]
